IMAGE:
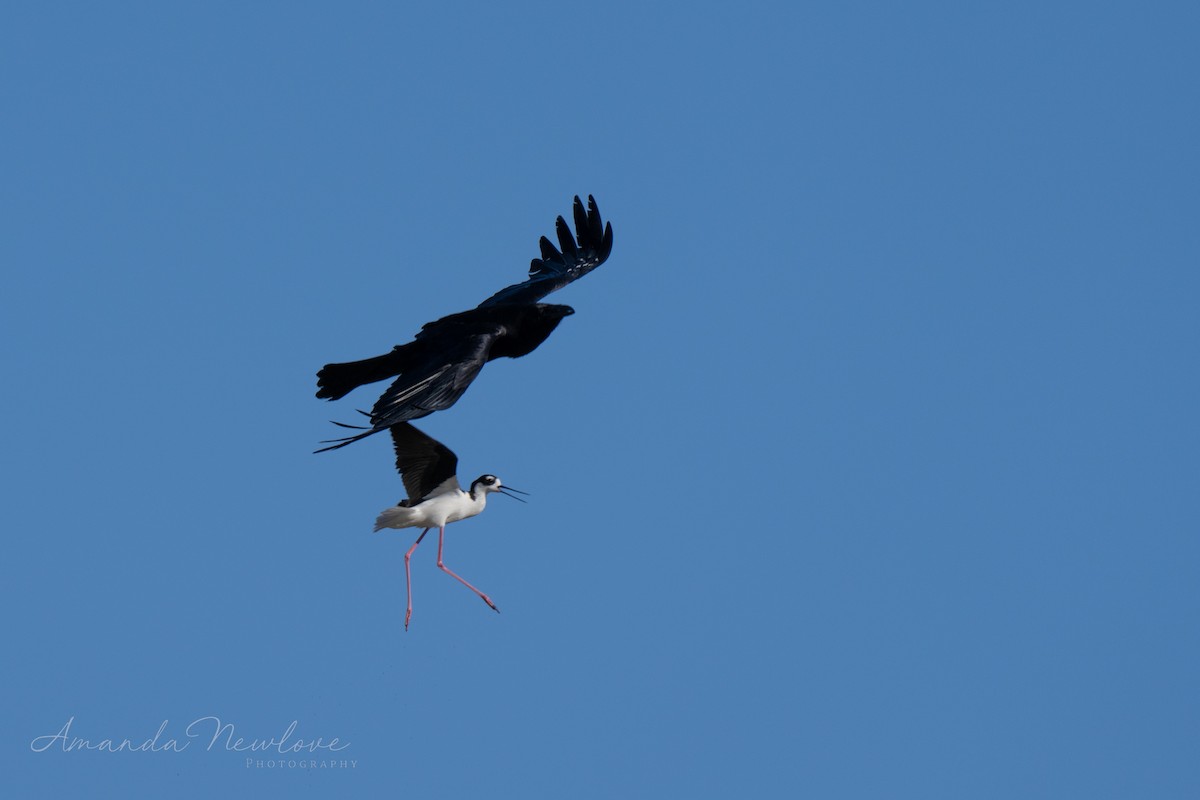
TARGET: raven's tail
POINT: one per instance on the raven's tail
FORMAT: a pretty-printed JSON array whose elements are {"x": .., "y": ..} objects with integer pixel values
[{"x": 338, "y": 380}]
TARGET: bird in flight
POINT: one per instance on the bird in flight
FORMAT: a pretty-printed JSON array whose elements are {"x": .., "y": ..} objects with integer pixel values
[
  {"x": 436, "y": 367},
  {"x": 435, "y": 498}
]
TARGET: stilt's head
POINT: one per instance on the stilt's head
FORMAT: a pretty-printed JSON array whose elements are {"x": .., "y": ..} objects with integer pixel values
[{"x": 490, "y": 483}]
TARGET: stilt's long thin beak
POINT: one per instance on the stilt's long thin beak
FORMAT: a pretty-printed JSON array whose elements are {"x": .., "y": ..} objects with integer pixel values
[{"x": 504, "y": 490}]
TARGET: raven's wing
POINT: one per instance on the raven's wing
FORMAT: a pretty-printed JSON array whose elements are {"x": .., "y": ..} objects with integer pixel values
[
  {"x": 416, "y": 395},
  {"x": 580, "y": 255},
  {"x": 425, "y": 464},
  {"x": 434, "y": 385},
  {"x": 335, "y": 381}
]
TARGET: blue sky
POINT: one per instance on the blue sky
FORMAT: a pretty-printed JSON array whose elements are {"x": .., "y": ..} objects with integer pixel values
[{"x": 866, "y": 467}]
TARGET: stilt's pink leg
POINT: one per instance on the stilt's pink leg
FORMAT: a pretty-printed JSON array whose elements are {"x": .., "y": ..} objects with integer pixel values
[
  {"x": 408, "y": 576},
  {"x": 445, "y": 569}
]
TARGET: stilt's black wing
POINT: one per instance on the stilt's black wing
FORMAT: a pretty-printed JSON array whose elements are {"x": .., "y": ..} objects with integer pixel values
[
  {"x": 580, "y": 255},
  {"x": 423, "y": 462}
]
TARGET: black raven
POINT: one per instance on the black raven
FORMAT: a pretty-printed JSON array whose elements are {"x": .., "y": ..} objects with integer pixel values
[{"x": 437, "y": 366}]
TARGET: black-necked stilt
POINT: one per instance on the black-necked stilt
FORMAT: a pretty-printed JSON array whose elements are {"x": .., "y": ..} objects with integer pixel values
[
  {"x": 435, "y": 498},
  {"x": 439, "y": 364}
]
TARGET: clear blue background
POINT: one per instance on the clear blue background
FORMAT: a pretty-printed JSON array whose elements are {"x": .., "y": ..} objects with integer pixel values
[{"x": 866, "y": 468}]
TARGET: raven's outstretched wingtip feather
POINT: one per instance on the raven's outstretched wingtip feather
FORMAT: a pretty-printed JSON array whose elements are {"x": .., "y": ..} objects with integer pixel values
[
  {"x": 582, "y": 228},
  {"x": 346, "y": 425},
  {"x": 549, "y": 251},
  {"x": 335, "y": 444},
  {"x": 595, "y": 232},
  {"x": 565, "y": 240}
]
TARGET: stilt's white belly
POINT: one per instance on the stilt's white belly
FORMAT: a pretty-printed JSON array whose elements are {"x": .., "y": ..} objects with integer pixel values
[
  {"x": 434, "y": 512},
  {"x": 447, "y": 508}
]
